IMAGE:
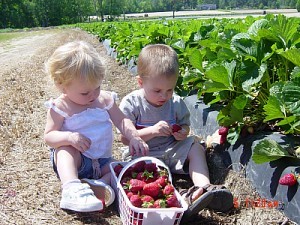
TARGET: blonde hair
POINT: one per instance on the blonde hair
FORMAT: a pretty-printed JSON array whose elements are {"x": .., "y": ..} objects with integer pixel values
[
  {"x": 157, "y": 60},
  {"x": 73, "y": 60}
]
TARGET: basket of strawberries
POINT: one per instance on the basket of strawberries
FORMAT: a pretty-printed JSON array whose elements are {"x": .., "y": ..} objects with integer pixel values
[{"x": 145, "y": 192}]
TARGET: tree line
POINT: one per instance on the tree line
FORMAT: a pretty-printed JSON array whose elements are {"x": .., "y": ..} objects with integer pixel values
[{"x": 44, "y": 13}]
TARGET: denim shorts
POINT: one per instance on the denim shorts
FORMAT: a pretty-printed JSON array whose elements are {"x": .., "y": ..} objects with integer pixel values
[{"x": 86, "y": 168}]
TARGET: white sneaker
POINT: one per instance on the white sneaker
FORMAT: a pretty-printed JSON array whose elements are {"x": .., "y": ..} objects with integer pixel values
[
  {"x": 80, "y": 198},
  {"x": 101, "y": 190}
]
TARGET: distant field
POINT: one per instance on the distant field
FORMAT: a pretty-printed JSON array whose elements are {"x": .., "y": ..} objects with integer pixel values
[{"x": 218, "y": 13}]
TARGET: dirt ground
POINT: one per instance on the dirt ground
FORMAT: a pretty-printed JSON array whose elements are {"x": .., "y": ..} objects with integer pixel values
[{"x": 29, "y": 189}]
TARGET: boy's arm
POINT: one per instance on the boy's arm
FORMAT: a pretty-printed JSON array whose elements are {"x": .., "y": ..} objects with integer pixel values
[
  {"x": 128, "y": 131},
  {"x": 162, "y": 128}
]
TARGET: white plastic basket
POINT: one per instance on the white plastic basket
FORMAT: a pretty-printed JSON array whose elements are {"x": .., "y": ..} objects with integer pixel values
[{"x": 131, "y": 215}]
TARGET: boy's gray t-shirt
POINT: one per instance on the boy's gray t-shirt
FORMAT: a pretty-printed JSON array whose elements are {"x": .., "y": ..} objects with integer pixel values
[{"x": 143, "y": 114}]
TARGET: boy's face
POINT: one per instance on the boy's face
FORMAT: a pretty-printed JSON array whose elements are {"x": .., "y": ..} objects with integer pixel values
[{"x": 158, "y": 90}]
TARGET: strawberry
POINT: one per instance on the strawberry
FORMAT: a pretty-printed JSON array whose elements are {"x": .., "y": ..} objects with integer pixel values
[
  {"x": 137, "y": 222},
  {"x": 152, "y": 189},
  {"x": 288, "y": 179},
  {"x": 223, "y": 139},
  {"x": 223, "y": 130},
  {"x": 147, "y": 198},
  {"x": 145, "y": 176},
  {"x": 118, "y": 168},
  {"x": 129, "y": 194},
  {"x": 168, "y": 189},
  {"x": 128, "y": 172},
  {"x": 172, "y": 201},
  {"x": 159, "y": 203},
  {"x": 138, "y": 127},
  {"x": 176, "y": 128},
  {"x": 151, "y": 167},
  {"x": 147, "y": 201},
  {"x": 139, "y": 166},
  {"x": 162, "y": 181},
  {"x": 136, "y": 200},
  {"x": 136, "y": 185}
]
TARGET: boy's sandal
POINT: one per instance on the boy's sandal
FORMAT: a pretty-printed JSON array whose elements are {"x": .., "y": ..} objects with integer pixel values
[
  {"x": 198, "y": 204},
  {"x": 222, "y": 197}
]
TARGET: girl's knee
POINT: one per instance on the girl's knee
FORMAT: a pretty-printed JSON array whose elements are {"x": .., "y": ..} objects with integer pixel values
[{"x": 67, "y": 153}]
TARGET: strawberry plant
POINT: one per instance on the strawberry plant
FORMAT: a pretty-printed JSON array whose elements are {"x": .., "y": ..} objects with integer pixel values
[{"x": 248, "y": 68}]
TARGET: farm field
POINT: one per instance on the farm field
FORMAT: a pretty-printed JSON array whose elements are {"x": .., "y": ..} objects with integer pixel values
[
  {"x": 29, "y": 189},
  {"x": 217, "y": 13}
]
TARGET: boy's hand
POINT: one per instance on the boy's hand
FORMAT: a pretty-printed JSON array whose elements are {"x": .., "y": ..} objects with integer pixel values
[
  {"x": 138, "y": 147},
  {"x": 162, "y": 128},
  {"x": 78, "y": 141},
  {"x": 180, "y": 134}
]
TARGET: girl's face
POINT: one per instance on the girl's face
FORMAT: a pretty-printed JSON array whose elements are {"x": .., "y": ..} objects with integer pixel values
[
  {"x": 158, "y": 91},
  {"x": 81, "y": 92}
]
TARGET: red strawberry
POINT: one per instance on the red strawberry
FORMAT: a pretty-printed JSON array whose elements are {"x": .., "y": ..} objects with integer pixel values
[
  {"x": 288, "y": 179},
  {"x": 147, "y": 201},
  {"x": 168, "y": 189},
  {"x": 223, "y": 130},
  {"x": 129, "y": 194},
  {"x": 223, "y": 139},
  {"x": 136, "y": 185},
  {"x": 147, "y": 198},
  {"x": 152, "y": 189},
  {"x": 137, "y": 222},
  {"x": 159, "y": 203},
  {"x": 162, "y": 181},
  {"x": 139, "y": 166},
  {"x": 138, "y": 127},
  {"x": 128, "y": 172},
  {"x": 118, "y": 168},
  {"x": 145, "y": 176},
  {"x": 151, "y": 167},
  {"x": 172, "y": 201},
  {"x": 136, "y": 200},
  {"x": 176, "y": 128}
]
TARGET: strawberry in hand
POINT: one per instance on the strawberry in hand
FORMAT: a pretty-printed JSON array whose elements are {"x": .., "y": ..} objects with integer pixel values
[{"x": 176, "y": 128}]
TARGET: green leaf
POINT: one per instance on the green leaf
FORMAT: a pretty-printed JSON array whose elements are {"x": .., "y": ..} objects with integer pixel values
[
  {"x": 268, "y": 150},
  {"x": 233, "y": 135},
  {"x": 222, "y": 73},
  {"x": 243, "y": 43},
  {"x": 210, "y": 87},
  {"x": 291, "y": 96},
  {"x": 256, "y": 26},
  {"x": 286, "y": 121},
  {"x": 240, "y": 102},
  {"x": 196, "y": 59},
  {"x": 180, "y": 45},
  {"x": 253, "y": 75},
  {"x": 292, "y": 55},
  {"x": 295, "y": 74},
  {"x": 273, "y": 109}
]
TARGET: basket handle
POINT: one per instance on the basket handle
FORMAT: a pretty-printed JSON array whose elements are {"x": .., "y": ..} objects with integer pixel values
[{"x": 144, "y": 158}]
